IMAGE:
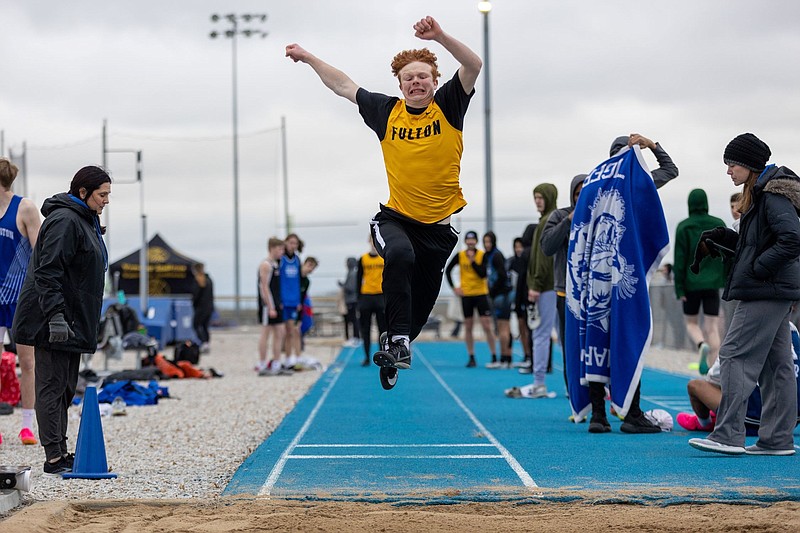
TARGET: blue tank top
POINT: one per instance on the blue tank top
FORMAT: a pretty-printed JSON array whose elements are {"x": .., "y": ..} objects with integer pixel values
[
  {"x": 290, "y": 281},
  {"x": 15, "y": 254}
]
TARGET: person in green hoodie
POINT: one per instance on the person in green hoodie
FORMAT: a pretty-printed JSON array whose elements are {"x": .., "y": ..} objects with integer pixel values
[
  {"x": 541, "y": 288},
  {"x": 702, "y": 288}
]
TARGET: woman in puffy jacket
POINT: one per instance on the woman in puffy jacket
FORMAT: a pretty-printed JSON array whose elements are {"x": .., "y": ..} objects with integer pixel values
[
  {"x": 59, "y": 307},
  {"x": 765, "y": 279}
]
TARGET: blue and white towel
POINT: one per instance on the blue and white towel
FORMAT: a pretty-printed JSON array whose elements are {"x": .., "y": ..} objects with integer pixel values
[{"x": 618, "y": 238}]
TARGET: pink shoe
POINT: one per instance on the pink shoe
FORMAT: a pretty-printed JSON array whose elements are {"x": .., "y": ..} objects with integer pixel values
[
  {"x": 690, "y": 422},
  {"x": 27, "y": 437},
  {"x": 1, "y": 438}
]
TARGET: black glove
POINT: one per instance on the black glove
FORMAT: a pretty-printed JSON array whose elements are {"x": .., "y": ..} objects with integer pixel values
[
  {"x": 59, "y": 329},
  {"x": 700, "y": 252},
  {"x": 716, "y": 235}
]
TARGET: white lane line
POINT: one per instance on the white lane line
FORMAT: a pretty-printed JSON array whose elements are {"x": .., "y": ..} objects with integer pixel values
[
  {"x": 471, "y": 445},
  {"x": 676, "y": 403},
  {"x": 526, "y": 479},
  {"x": 395, "y": 457},
  {"x": 266, "y": 489}
]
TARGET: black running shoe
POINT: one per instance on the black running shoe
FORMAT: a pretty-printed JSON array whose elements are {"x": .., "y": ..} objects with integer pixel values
[
  {"x": 599, "y": 424},
  {"x": 471, "y": 363},
  {"x": 396, "y": 356},
  {"x": 639, "y": 424},
  {"x": 70, "y": 459},
  {"x": 53, "y": 470}
]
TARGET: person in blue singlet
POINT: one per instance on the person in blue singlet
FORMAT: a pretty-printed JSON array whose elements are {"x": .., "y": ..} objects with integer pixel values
[
  {"x": 19, "y": 227},
  {"x": 290, "y": 295}
]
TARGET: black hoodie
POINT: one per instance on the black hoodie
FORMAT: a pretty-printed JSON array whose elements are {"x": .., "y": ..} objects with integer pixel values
[{"x": 66, "y": 275}]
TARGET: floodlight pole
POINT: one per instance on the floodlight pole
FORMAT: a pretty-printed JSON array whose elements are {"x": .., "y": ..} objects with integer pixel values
[
  {"x": 485, "y": 7},
  {"x": 232, "y": 33}
]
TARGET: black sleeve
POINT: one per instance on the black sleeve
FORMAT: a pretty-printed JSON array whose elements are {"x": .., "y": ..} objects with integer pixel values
[
  {"x": 450, "y": 266},
  {"x": 453, "y": 101},
  {"x": 499, "y": 264},
  {"x": 481, "y": 269},
  {"x": 375, "y": 109}
]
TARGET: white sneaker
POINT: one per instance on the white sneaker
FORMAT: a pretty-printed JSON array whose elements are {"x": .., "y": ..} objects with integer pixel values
[
  {"x": 755, "y": 449},
  {"x": 708, "y": 445},
  {"x": 493, "y": 364},
  {"x": 539, "y": 391},
  {"x": 259, "y": 366}
]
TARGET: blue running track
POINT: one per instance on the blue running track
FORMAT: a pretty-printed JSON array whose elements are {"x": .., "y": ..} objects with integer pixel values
[{"x": 447, "y": 433}]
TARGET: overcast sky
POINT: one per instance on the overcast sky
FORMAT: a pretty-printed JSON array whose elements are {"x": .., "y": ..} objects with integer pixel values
[{"x": 566, "y": 76}]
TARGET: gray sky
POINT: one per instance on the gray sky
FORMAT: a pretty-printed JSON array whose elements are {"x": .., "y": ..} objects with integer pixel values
[{"x": 567, "y": 77}]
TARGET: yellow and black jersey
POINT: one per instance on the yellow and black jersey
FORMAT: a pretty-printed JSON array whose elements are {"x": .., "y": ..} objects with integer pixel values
[
  {"x": 472, "y": 273},
  {"x": 370, "y": 274},
  {"x": 421, "y": 150}
]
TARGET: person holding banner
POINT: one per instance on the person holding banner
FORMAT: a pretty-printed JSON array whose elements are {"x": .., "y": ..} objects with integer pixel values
[
  {"x": 616, "y": 244},
  {"x": 765, "y": 278}
]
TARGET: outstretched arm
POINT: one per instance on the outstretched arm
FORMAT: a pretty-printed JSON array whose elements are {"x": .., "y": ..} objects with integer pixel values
[
  {"x": 429, "y": 30},
  {"x": 333, "y": 78}
]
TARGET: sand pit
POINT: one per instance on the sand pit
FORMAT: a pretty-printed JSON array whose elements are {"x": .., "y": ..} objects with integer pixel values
[{"x": 223, "y": 515}]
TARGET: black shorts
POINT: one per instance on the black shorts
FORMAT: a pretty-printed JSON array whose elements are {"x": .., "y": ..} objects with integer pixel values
[
  {"x": 266, "y": 320},
  {"x": 481, "y": 303},
  {"x": 708, "y": 297}
]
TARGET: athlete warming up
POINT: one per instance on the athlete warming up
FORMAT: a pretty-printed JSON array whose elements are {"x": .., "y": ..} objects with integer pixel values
[{"x": 421, "y": 138}]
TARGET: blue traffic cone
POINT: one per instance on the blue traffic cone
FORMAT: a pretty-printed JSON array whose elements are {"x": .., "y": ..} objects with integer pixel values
[{"x": 90, "y": 452}]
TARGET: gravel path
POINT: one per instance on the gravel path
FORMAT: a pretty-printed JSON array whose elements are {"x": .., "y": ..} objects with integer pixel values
[{"x": 190, "y": 446}]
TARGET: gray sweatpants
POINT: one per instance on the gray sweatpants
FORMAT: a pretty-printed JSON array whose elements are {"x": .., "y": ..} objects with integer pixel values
[
  {"x": 757, "y": 348},
  {"x": 56, "y": 380}
]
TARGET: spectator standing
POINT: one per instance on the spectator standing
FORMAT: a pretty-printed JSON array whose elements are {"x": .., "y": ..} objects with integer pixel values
[
  {"x": 541, "y": 288},
  {"x": 59, "y": 307},
  {"x": 555, "y": 243},
  {"x": 19, "y": 228},
  {"x": 634, "y": 421},
  {"x": 500, "y": 297},
  {"x": 270, "y": 309},
  {"x": 765, "y": 279},
  {"x": 290, "y": 293},
  {"x": 369, "y": 281},
  {"x": 203, "y": 304},
  {"x": 474, "y": 293},
  {"x": 521, "y": 303},
  {"x": 349, "y": 287},
  {"x": 702, "y": 288}
]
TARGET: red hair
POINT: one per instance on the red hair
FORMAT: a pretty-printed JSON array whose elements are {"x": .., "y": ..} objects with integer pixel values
[{"x": 409, "y": 56}]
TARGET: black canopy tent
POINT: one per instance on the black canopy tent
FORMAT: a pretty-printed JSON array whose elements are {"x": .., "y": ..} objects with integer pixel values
[{"x": 169, "y": 271}]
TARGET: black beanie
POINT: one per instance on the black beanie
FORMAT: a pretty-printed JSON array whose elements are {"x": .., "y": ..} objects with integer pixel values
[{"x": 748, "y": 151}]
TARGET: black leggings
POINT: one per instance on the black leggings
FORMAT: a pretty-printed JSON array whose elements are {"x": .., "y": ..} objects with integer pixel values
[
  {"x": 414, "y": 256},
  {"x": 369, "y": 305}
]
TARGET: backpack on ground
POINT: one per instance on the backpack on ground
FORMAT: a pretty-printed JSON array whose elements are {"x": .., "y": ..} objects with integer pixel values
[{"x": 187, "y": 351}]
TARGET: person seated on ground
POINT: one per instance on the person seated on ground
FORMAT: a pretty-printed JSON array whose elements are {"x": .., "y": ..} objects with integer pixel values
[{"x": 705, "y": 395}]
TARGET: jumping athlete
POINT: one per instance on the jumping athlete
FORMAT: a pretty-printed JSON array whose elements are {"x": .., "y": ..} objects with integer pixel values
[{"x": 421, "y": 140}]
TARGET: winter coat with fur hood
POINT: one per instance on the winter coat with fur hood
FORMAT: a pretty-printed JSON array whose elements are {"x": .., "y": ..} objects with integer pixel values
[{"x": 765, "y": 265}]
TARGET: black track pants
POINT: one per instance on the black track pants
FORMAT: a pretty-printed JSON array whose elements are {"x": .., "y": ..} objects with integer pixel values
[
  {"x": 56, "y": 380},
  {"x": 370, "y": 305},
  {"x": 414, "y": 256}
]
